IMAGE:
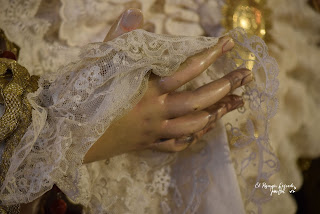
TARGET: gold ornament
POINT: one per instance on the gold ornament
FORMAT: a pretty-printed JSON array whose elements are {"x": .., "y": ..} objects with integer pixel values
[{"x": 251, "y": 15}]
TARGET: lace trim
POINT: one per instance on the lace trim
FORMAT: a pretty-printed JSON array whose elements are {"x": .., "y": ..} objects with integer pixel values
[{"x": 253, "y": 156}]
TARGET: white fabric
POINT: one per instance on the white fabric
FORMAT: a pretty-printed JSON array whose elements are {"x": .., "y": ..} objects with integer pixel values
[
  {"x": 223, "y": 185},
  {"x": 40, "y": 56}
]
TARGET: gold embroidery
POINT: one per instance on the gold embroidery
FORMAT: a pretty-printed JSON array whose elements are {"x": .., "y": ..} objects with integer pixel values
[
  {"x": 15, "y": 84},
  {"x": 15, "y": 209}
]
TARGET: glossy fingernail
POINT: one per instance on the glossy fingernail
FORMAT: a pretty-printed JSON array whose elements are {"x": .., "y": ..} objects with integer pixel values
[
  {"x": 239, "y": 78},
  {"x": 227, "y": 44},
  {"x": 248, "y": 78},
  {"x": 185, "y": 140},
  {"x": 131, "y": 19},
  {"x": 236, "y": 103}
]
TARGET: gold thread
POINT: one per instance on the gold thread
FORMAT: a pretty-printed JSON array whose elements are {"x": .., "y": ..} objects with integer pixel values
[
  {"x": 17, "y": 115},
  {"x": 14, "y": 209},
  {"x": 15, "y": 84}
]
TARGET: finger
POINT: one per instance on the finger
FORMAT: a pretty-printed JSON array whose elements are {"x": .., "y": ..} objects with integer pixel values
[
  {"x": 179, "y": 144},
  {"x": 185, "y": 125},
  {"x": 181, "y": 103},
  {"x": 196, "y": 121},
  {"x": 170, "y": 145},
  {"x": 195, "y": 65},
  {"x": 225, "y": 105},
  {"x": 129, "y": 20},
  {"x": 231, "y": 102}
]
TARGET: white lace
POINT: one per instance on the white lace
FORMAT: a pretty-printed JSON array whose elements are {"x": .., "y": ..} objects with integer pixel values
[
  {"x": 22, "y": 24},
  {"x": 75, "y": 105}
]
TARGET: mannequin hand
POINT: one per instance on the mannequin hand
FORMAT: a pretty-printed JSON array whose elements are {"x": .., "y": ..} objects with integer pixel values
[{"x": 166, "y": 120}]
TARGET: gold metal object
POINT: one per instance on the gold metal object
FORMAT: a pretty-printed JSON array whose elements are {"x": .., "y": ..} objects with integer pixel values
[{"x": 251, "y": 15}]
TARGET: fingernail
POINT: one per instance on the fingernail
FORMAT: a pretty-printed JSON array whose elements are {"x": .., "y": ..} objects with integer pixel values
[
  {"x": 247, "y": 77},
  {"x": 228, "y": 44},
  {"x": 239, "y": 78},
  {"x": 131, "y": 19},
  {"x": 236, "y": 103},
  {"x": 233, "y": 102},
  {"x": 185, "y": 140}
]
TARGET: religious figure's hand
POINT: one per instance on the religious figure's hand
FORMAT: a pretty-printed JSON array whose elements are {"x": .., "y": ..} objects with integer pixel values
[{"x": 164, "y": 119}]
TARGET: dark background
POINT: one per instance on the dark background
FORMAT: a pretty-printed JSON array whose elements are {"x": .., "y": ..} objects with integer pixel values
[{"x": 308, "y": 197}]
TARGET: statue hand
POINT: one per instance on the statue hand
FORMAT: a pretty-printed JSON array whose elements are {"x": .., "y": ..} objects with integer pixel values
[{"x": 166, "y": 120}]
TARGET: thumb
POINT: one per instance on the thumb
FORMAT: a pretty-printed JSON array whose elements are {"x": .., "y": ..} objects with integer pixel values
[{"x": 129, "y": 20}]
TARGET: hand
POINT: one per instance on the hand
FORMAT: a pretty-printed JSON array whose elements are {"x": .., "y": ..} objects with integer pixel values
[{"x": 166, "y": 120}]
